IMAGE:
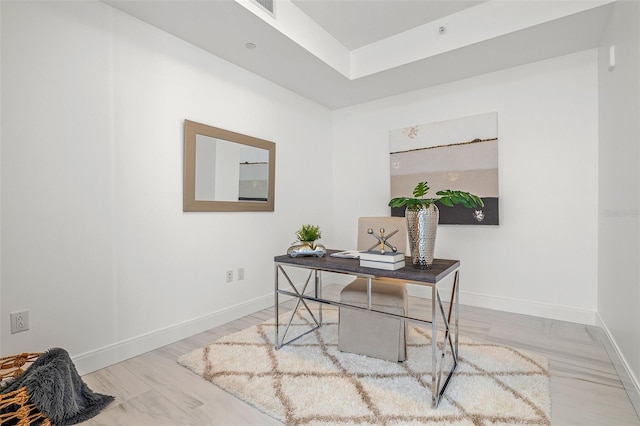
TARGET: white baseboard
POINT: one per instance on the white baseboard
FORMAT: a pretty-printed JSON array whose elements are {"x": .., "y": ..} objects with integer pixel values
[
  {"x": 525, "y": 307},
  {"x": 129, "y": 348},
  {"x": 112, "y": 354},
  {"x": 629, "y": 380},
  {"x": 516, "y": 306}
]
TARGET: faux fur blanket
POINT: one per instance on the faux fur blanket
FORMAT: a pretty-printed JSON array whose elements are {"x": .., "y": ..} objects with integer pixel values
[{"x": 57, "y": 390}]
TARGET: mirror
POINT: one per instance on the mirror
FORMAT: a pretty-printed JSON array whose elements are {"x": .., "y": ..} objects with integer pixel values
[{"x": 227, "y": 171}]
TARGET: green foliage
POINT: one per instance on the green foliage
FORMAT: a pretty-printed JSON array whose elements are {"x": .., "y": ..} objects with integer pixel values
[
  {"x": 449, "y": 198},
  {"x": 446, "y": 197},
  {"x": 421, "y": 189},
  {"x": 309, "y": 233}
]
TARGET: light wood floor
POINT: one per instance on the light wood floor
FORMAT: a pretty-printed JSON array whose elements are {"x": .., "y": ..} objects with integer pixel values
[{"x": 153, "y": 389}]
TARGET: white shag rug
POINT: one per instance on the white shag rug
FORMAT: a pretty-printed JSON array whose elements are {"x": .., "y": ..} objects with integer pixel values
[{"x": 310, "y": 382}]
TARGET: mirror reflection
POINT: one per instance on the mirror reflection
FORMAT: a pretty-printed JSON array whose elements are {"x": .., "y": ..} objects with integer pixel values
[{"x": 227, "y": 171}]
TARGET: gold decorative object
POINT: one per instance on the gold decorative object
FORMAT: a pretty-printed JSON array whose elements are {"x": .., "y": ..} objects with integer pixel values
[{"x": 382, "y": 240}]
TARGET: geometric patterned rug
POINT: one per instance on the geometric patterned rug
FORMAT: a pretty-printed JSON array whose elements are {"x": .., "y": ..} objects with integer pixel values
[{"x": 310, "y": 382}]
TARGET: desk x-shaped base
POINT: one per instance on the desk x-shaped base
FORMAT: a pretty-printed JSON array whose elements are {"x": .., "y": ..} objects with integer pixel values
[
  {"x": 318, "y": 289},
  {"x": 439, "y": 352}
]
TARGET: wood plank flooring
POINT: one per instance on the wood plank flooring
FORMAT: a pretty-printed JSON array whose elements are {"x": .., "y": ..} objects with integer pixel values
[{"x": 153, "y": 389}]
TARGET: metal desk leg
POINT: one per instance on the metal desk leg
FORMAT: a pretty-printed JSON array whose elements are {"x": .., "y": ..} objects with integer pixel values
[
  {"x": 447, "y": 340},
  {"x": 276, "y": 306},
  {"x": 434, "y": 347},
  {"x": 279, "y": 343},
  {"x": 318, "y": 284},
  {"x": 457, "y": 308},
  {"x": 453, "y": 306}
]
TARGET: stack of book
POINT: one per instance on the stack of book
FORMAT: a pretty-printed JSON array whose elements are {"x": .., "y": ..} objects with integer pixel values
[{"x": 388, "y": 260}]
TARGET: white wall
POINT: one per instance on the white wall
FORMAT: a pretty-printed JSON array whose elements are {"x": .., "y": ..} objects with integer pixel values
[
  {"x": 619, "y": 186},
  {"x": 542, "y": 258},
  {"x": 95, "y": 244},
  {"x": 94, "y": 240}
]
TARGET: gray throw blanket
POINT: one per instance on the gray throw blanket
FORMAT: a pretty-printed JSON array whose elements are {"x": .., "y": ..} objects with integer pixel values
[{"x": 57, "y": 390}]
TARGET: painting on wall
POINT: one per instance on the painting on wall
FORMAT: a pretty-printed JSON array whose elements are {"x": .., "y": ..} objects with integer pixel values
[{"x": 459, "y": 154}]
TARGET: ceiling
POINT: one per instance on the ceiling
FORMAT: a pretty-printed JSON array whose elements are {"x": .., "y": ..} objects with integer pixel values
[
  {"x": 356, "y": 23},
  {"x": 340, "y": 53}
]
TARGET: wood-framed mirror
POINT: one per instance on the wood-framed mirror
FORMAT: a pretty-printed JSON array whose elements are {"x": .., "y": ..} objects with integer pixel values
[{"x": 226, "y": 171}]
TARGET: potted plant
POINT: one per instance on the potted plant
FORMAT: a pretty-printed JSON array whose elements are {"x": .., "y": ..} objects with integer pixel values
[
  {"x": 306, "y": 245},
  {"x": 309, "y": 234},
  {"x": 422, "y": 216}
]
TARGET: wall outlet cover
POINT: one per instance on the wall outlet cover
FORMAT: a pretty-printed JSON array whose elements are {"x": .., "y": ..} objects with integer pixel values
[{"x": 19, "y": 321}]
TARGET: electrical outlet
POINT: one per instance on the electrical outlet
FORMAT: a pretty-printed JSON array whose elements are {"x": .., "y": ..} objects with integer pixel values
[
  {"x": 19, "y": 321},
  {"x": 240, "y": 274},
  {"x": 229, "y": 276}
]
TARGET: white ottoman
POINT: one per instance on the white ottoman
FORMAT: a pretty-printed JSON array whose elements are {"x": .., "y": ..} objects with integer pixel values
[{"x": 370, "y": 334}]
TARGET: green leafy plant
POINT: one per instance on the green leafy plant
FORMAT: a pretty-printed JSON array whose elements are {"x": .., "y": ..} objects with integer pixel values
[
  {"x": 447, "y": 197},
  {"x": 309, "y": 233}
]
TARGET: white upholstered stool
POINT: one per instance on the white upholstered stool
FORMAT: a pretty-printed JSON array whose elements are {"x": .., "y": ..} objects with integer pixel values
[{"x": 367, "y": 333}]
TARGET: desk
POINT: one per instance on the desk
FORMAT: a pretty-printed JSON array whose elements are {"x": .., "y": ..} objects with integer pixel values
[{"x": 441, "y": 269}]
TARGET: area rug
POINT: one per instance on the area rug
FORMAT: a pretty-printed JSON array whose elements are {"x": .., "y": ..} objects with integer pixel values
[{"x": 310, "y": 382}]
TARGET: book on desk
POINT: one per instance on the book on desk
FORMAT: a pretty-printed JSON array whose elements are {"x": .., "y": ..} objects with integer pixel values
[
  {"x": 375, "y": 255},
  {"x": 347, "y": 254},
  {"x": 390, "y": 261},
  {"x": 374, "y": 259},
  {"x": 389, "y": 266}
]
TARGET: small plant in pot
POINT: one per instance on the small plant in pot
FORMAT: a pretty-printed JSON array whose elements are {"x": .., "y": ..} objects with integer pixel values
[
  {"x": 306, "y": 245},
  {"x": 309, "y": 233},
  {"x": 422, "y": 216}
]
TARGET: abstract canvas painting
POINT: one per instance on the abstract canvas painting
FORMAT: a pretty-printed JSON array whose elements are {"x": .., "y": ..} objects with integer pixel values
[{"x": 459, "y": 154}]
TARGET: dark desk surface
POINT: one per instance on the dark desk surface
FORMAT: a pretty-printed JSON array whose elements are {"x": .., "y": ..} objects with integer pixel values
[{"x": 440, "y": 269}]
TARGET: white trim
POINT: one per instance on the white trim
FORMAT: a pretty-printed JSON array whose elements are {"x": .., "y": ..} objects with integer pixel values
[
  {"x": 517, "y": 306},
  {"x": 526, "y": 307},
  {"x": 129, "y": 348},
  {"x": 628, "y": 379},
  {"x": 112, "y": 354}
]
